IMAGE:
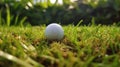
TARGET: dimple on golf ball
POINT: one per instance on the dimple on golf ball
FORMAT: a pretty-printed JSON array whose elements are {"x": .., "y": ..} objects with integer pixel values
[{"x": 54, "y": 31}]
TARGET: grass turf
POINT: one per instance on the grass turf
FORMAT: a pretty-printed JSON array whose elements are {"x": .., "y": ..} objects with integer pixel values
[{"x": 82, "y": 46}]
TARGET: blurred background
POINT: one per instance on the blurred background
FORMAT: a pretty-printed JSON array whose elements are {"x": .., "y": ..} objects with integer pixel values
[{"x": 38, "y": 12}]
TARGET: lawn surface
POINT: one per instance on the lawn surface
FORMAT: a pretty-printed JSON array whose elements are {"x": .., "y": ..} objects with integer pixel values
[{"x": 82, "y": 46}]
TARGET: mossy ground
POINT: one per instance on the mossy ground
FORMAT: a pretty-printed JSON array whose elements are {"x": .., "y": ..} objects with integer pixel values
[{"x": 82, "y": 46}]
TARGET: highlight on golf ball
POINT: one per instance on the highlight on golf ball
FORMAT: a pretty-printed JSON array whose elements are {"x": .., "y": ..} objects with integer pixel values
[{"x": 54, "y": 31}]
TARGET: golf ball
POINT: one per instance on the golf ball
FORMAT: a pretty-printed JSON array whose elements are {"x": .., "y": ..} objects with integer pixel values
[{"x": 54, "y": 31}]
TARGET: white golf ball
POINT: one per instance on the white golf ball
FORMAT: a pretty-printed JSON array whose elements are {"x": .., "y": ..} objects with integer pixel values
[{"x": 54, "y": 32}]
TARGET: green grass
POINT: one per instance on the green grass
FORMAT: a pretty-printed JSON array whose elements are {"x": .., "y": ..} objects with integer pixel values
[{"x": 82, "y": 46}]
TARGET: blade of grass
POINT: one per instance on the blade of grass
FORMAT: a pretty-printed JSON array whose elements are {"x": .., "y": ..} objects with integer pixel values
[
  {"x": 31, "y": 49},
  {"x": 22, "y": 21},
  {"x": 34, "y": 62},
  {"x": 50, "y": 58},
  {"x": 8, "y": 15},
  {"x": 93, "y": 21},
  {"x": 79, "y": 23},
  {"x": 14, "y": 59},
  {"x": 0, "y": 17},
  {"x": 16, "y": 19}
]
